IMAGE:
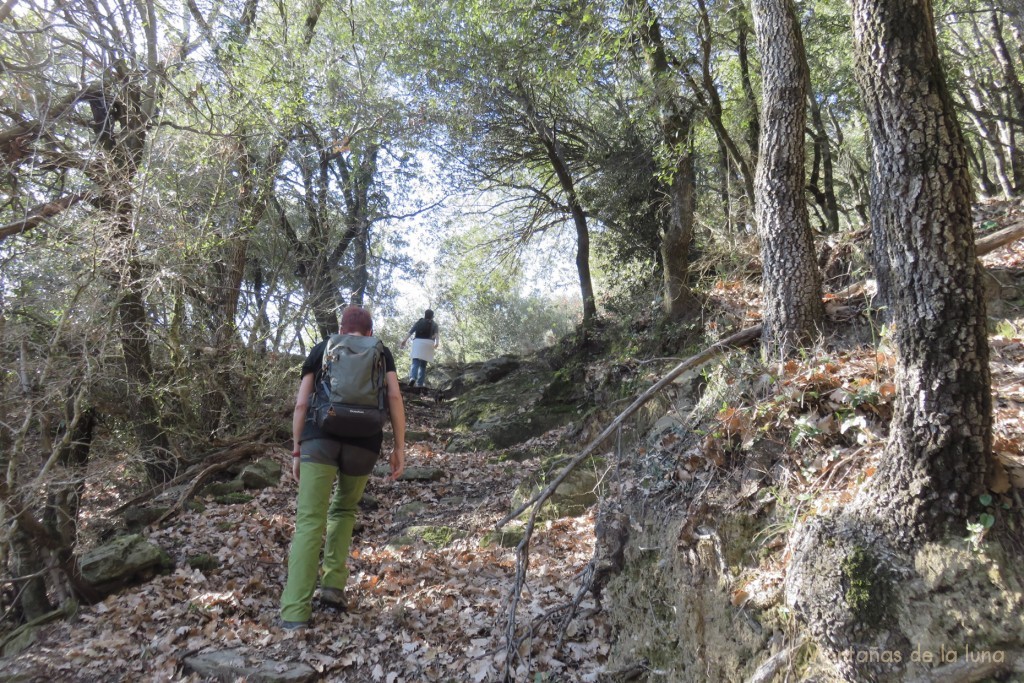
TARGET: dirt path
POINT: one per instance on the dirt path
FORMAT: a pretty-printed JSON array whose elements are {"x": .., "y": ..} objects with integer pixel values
[{"x": 418, "y": 613}]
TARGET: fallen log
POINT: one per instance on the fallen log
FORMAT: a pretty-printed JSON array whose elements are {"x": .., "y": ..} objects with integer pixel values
[{"x": 990, "y": 243}]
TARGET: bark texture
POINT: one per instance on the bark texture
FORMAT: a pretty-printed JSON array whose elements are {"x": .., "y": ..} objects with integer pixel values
[
  {"x": 793, "y": 311},
  {"x": 676, "y": 118},
  {"x": 924, "y": 251}
]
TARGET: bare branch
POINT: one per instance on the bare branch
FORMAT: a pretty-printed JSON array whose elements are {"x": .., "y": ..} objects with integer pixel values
[{"x": 40, "y": 214}]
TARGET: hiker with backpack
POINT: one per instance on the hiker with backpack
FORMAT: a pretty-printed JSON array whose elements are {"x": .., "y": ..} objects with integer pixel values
[
  {"x": 424, "y": 341},
  {"x": 349, "y": 389}
]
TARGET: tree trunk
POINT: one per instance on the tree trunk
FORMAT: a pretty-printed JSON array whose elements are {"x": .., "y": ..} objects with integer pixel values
[
  {"x": 357, "y": 204},
  {"x": 28, "y": 566},
  {"x": 64, "y": 498},
  {"x": 793, "y": 311},
  {"x": 155, "y": 452},
  {"x": 676, "y": 117},
  {"x": 941, "y": 433},
  {"x": 712, "y": 103},
  {"x": 1016, "y": 90},
  {"x": 826, "y": 194},
  {"x": 753, "y": 124},
  {"x": 559, "y": 165}
]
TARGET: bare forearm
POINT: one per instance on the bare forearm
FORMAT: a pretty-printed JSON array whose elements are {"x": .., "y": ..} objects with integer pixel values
[
  {"x": 298, "y": 422},
  {"x": 397, "y": 410}
]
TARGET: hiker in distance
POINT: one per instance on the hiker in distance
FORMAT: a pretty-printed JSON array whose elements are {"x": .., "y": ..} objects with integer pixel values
[
  {"x": 424, "y": 342},
  {"x": 349, "y": 388}
]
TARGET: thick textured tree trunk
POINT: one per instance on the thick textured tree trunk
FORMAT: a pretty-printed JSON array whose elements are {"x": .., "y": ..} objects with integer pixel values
[
  {"x": 941, "y": 435},
  {"x": 793, "y": 311}
]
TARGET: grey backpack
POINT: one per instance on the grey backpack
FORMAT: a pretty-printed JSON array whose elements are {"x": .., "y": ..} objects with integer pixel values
[{"x": 352, "y": 397}]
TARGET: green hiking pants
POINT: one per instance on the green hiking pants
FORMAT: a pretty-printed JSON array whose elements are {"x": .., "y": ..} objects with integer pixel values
[{"x": 315, "y": 510}]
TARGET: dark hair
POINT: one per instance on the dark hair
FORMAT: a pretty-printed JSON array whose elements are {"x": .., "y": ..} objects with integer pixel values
[
  {"x": 356, "y": 319},
  {"x": 428, "y": 314}
]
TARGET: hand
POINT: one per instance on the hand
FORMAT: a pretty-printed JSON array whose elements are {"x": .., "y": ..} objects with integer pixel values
[
  {"x": 397, "y": 463},
  {"x": 402, "y": 345},
  {"x": 295, "y": 468}
]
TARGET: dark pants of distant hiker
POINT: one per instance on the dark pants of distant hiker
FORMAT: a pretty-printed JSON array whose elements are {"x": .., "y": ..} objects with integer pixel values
[
  {"x": 418, "y": 373},
  {"x": 323, "y": 461}
]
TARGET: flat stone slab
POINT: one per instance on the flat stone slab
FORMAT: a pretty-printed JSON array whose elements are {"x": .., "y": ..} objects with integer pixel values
[
  {"x": 231, "y": 665},
  {"x": 412, "y": 473}
]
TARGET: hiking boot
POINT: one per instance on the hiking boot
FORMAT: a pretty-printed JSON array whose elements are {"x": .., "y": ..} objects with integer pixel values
[
  {"x": 333, "y": 598},
  {"x": 294, "y": 625}
]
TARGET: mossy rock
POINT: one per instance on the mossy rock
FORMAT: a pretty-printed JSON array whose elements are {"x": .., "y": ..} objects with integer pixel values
[
  {"x": 121, "y": 561},
  {"x": 25, "y": 638},
  {"x": 203, "y": 562},
  {"x": 223, "y": 488},
  {"x": 508, "y": 537},
  {"x": 436, "y": 536},
  {"x": 572, "y": 498},
  {"x": 525, "y": 404},
  {"x": 233, "y": 498},
  {"x": 412, "y": 473},
  {"x": 136, "y": 518},
  {"x": 410, "y": 510},
  {"x": 263, "y": 473}
]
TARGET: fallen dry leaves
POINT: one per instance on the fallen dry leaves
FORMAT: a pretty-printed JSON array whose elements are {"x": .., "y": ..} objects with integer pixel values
[{"x": 417, "y": 613}]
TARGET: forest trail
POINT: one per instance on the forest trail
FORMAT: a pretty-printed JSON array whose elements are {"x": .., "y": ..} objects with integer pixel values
[{"x": 416, "y": 612}]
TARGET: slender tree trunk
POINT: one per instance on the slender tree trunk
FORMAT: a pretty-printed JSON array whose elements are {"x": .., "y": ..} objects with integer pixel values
[
  {"x": 155, "y": 451},
  {"x": 979, "y": 162},
  {"x": 676, "y": 117},
  {"x": 793, "y": 311},
  {"x": 707, "y": 94},
  {"x": 990, "y": 136},
  {"x": 559, "y": 165},
  {"x": 753, "y": 124},
  {"x": 725, "y": 188},
  {"x": 826, "y": 194},
  {"x": 360, "y": 180},
  {"x": 1016, "y": 91},
  {"x": 941, "y": 434}
]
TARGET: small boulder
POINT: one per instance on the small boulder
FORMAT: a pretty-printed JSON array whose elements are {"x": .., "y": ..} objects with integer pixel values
[
  {"x": 122, "y": 561},
  {"x": 263, "y": 473}
]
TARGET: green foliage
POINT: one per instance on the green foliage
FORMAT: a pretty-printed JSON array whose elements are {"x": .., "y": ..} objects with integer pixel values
[{"x": 488, "y": 311}]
